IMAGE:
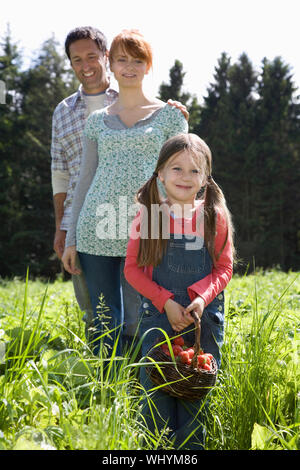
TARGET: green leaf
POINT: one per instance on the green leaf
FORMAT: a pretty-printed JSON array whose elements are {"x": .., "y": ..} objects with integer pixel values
[{"x": 260, "y": 437}]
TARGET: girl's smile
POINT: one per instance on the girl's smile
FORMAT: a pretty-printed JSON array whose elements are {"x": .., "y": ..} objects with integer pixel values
[{"x": 183, "y": 187}]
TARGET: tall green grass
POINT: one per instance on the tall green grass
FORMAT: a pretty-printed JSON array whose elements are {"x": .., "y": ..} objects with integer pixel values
[
  {"x": 54, "y": 394},
  {"x": 256, "y": 402}
]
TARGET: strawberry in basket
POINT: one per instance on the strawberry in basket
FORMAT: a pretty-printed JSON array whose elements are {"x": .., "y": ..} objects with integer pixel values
[
  {"x": 177, "y": 349},
  {"x": 186, "y": 354},
  {"x": 193, "y": 373}
]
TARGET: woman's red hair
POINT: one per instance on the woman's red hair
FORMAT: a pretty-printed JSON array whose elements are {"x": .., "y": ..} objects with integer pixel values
[{"x": 134, "y": 43}]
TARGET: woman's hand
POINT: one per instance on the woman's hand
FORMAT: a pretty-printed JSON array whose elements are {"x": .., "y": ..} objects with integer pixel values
[
  {"x": 176, "y": 316},
  {"x": 197, "y": 305},
  {"x": 69, "y": 260}
]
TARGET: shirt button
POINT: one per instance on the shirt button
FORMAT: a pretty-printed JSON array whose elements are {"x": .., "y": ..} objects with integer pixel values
[
  {"x": 220, "y": 297},
  {"x": 145, "y": 305},
  {"x": 220, "y": 308}
]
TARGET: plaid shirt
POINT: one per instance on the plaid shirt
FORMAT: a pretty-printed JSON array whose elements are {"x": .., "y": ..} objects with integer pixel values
[{"x": 68, "y": 122}]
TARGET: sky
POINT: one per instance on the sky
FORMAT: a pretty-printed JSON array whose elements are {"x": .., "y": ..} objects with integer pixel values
[{"x": 196, "y": 32}]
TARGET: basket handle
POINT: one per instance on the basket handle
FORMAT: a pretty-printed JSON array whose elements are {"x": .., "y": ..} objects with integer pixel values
[{"x": 197, "y": 345}]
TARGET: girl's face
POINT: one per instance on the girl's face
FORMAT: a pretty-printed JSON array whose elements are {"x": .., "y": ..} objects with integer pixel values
[
  {"x": 182, "y": 178},
  {"x": 128, "y": 70}
]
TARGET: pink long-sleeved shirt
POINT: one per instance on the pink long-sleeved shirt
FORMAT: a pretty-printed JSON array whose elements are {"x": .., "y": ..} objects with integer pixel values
[{"x": 207, "y": 288}]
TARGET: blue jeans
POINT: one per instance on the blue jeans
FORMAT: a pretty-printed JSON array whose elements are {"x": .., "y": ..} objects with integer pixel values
[
  {"x": 184, "y": 419},
  {"x": 83, "y": 297},
  {"x": 104, "y": 275},
  {"x": 180, "y": 268}
]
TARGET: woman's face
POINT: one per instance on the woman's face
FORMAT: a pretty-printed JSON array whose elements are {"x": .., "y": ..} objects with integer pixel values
[{"x": 129, "y": 71}]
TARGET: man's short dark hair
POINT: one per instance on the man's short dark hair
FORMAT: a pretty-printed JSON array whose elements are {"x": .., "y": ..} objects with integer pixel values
[{"x": 86, "y": 32}]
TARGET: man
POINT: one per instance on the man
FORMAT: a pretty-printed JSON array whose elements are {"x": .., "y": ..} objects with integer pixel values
[{"x": 86, "y": 48}]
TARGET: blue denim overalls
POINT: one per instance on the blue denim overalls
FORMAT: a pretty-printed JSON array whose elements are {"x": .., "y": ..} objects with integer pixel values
[{"x": 180, "y": 268}]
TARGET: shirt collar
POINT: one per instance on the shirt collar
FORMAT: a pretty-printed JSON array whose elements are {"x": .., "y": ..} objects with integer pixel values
[{"x": 78, "y": 96}]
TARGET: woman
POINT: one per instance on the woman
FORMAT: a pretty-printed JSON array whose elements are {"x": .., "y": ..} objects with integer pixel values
[{"x": 121, "y": 148}]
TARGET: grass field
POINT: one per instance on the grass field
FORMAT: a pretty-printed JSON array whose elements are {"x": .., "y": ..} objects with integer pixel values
[{"x": 54, "y": 394}]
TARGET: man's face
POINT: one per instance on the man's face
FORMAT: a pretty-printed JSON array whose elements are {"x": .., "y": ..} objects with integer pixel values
[{"x": 89, "y": 65}]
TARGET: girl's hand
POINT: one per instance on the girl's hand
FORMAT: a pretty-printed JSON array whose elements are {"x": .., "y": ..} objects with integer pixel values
[
  {"x": 197, "y": 305},
  {"x": 69, "y": 258},
  {"x": 175, "y": 313}
]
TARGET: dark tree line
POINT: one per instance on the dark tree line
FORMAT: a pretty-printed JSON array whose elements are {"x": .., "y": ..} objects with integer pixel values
[
  {"x": 250, "y": 119},
  {"x": 26, "y": 208}
]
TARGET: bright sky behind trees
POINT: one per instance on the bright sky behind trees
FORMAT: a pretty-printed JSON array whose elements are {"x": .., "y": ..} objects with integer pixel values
[{"x": 195, "y": 32}]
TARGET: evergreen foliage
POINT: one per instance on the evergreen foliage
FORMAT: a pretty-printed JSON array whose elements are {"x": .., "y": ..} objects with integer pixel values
[
  {"x": 251, "y": 122},
  {"x": 26, "y": 210},
  {"x": 173, "y": 91}
]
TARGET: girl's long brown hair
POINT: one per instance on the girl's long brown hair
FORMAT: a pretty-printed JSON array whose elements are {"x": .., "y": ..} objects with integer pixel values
[{"x": 151, "y": 249}]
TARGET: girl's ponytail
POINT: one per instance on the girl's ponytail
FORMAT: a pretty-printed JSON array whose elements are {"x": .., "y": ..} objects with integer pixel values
[
  {"x": 150, "y": 249},
  {"x": 214, "y": 201}
]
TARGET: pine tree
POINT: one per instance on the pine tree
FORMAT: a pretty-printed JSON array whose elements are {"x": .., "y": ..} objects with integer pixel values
[
  {"x": 277, "y": 138},
  {"x": 251, "y": 122},
  {"x": 215, "y": 117},
  {"x": 26, "y": 240},
  {"x": 174, "y": 92},
  {"x": 11, "y": 130},
  {"x": 227, "y": 124},
  {"x": 242, "y": 160}
]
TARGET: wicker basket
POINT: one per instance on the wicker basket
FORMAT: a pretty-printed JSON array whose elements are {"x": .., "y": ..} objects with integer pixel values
[{"x": 187, "y": 381}]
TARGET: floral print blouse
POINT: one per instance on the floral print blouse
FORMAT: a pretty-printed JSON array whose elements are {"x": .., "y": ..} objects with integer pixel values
[{"x": 127, "y": 157}]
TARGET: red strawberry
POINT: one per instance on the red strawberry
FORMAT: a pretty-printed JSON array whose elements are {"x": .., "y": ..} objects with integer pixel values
[
  {"x": 177, "y": 349},
  {"x": 165, "y": 349},
  {"x": 179, "y": 340},
  {"x": 208, "y": 360},
  {"x": 190, "y": 352},
  {"x": 209, "y": 355},
  {"x": 201, "y": 359},
  {"x": 184, "y": 357},
  {"x": 206, "y": 367}
]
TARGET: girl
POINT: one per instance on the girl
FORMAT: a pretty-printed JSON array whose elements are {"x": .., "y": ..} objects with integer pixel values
[
  {"x": 121, "y": 147},
  {"x": 183, "y": 269}
]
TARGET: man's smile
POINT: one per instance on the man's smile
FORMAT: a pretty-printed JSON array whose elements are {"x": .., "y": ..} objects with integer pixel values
[{"x": 88, "y": 74}]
